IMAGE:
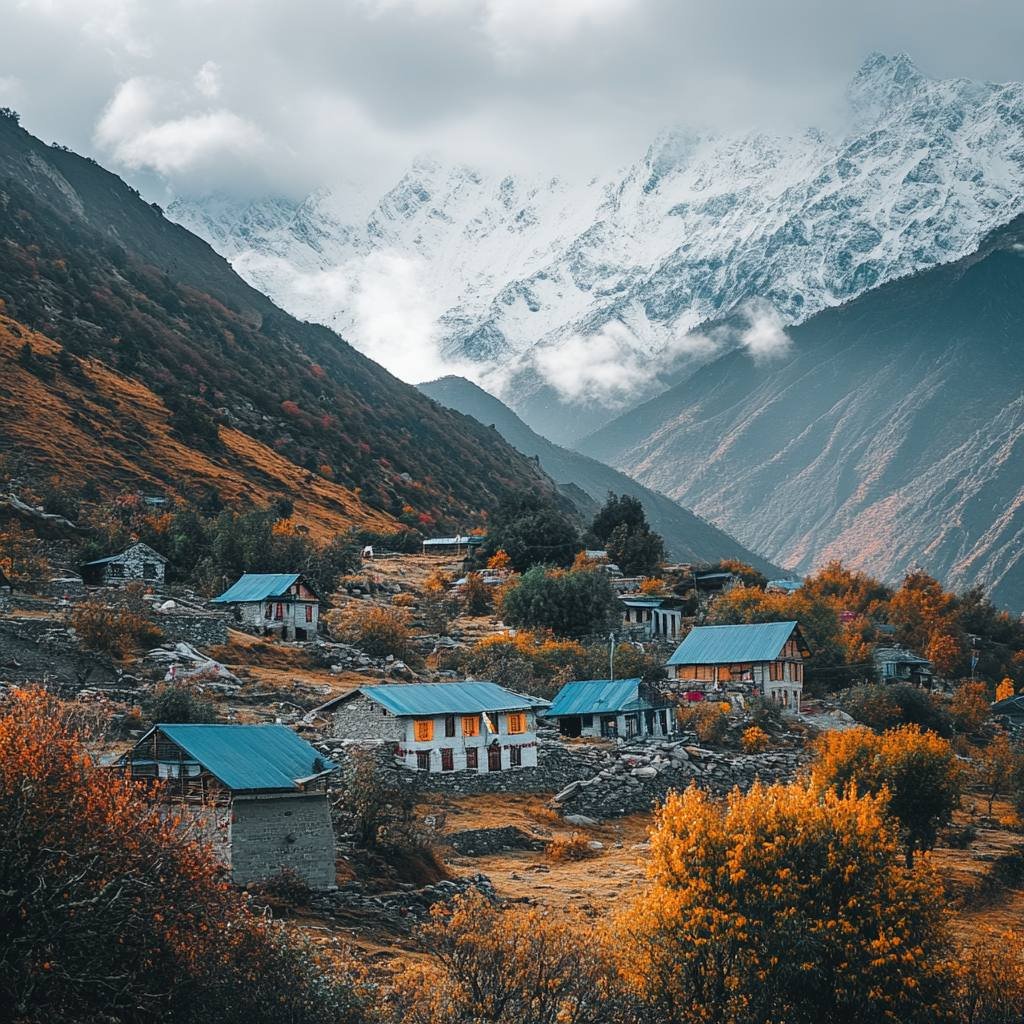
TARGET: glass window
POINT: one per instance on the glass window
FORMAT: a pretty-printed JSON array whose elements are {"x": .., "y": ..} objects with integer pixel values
[
  {"x": 423, "y": 760},
  {"x": 423, "y": 730},
  {"x": 449, "y": 725},
  {"x": 447, "y": 759},
  {"x": 309, "y": 613},
  {"x": 472, "y": 754},
  {"x": 516, "y": 723},
  {"x": 470, "y": 725},
  {"x": 515, "y": 757},
  {"x": 149, "y": 570}
]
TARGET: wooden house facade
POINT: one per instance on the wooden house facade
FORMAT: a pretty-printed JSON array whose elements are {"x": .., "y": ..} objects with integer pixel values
[{"x": 766, "y": 658}]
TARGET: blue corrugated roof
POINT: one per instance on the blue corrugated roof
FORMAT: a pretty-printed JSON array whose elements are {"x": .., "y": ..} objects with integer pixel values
[
  {"x": 258, "y": 586},
  {"x": 248, "y": 757},
  {"x": 449, "y": 698},
  {"x": 788, "y": 585},
  {"x": 596, "y": 696},
  {"x": 727, "y": 645},
  {"x": 452, "y": 540}
]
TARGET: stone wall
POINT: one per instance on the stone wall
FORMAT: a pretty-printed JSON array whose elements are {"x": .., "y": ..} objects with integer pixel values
[
  {"x": 601, "y": 780},
  {"x": 363, "y": 719},
  {"x": 269, "y": 834},
  {"x": 201, "y": 629}
]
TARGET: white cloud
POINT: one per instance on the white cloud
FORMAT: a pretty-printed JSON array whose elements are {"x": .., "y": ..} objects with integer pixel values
[
  {"x": 140, "y": 131},
  {"x": 612, "y": 365},
  {"x": 766, "y": 337},
  {"x": 111, "y": 23},
  {"x": 208, "y": 81}
]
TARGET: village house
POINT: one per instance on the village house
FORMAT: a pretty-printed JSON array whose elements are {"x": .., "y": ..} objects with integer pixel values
[
  {"x": 442, "y": 727},
  {"x": 895, "y": 664},
  {"x": 610, "y": 708},
  {"x": 137, "y": 564},
  {"x": 652, "y": 616},
  {"x": 457, "y": 547},
  {"x": 261, "y": 790},
  {"x": 281, "y": 604},
  {"x": 765, "y": 657}
]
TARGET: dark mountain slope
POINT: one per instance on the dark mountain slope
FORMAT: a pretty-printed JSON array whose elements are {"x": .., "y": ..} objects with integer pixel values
[
  {"x": 88, "y": 264},
  {"x": 890, "y": 435},
  {"x": 688, "y": 537}
]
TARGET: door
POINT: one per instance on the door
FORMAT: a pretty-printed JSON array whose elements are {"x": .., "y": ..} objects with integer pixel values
[
  {"x": 494, "y": 758},
  {"x": 609, "y": 725},
  {"x": 447, "y": 759},
  {"x": 471, "y": 758},
  {"x": 423, "y": 760},
  {"x": 572, "y": 726}
]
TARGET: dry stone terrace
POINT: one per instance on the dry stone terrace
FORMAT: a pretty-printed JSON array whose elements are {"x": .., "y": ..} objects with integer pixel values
[{"x": 598, "y": 780}]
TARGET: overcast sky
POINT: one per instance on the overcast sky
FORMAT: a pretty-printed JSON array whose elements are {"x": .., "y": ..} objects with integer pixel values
[{"x": 260, "y": 95}]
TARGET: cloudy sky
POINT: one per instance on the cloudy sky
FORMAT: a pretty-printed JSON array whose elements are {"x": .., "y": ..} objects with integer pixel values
[{"x": 261, "y": 95}]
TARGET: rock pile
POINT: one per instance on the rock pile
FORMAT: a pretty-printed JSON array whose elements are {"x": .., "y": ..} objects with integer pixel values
[
  {"x": 639, "y": 775},
  {"x": 479, "y": 842},
  {"x": 402, "y": 908}
]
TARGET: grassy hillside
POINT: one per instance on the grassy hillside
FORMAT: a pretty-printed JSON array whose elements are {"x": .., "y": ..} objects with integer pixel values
[{"x": 245, "y": 388}]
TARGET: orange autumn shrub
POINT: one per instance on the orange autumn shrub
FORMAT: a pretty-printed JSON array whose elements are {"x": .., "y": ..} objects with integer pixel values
[
  {"x": 403, "y": 600},
  {"x": 499, "y": 560},
  {"x": 705, "y": 718},
  {"x": 114, "y": 910},
  {"x": 1005, "y": 689},
  {"x": 969, "y": 707},
  {"x": 574, "y": 847},
  {"x": 375, "y": 629},
  {"x": 116, "y": 631},
  {"x": 915, "y": 772},
  {"x": 783, "y": 905},
  {"x": 755, "y": 740},
  {"x": 520, "y": 965}
]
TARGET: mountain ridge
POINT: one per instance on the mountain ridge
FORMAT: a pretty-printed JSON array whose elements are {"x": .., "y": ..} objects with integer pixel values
[
  {"x": 688, "y": 537},
  {"x": 87, "y": 266},
  {"x": 545, "y": 287},
  {"x": 890, "y": 435}
]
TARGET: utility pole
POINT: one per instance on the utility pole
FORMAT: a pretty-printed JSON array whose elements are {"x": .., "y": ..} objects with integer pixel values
[{"x": 611, "y": 657}]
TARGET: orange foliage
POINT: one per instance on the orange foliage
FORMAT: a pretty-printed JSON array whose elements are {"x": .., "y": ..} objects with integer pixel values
[
  {"x": 575, "y": 847},
  {"x": 652, "y": 585},
  {"x": 781, "y": 904},
  {"x": 114, "y": 908},
  {"x": 1005, "y": 689},
  {"x": 755, "y": 740},
  {"x": 499, "y": 560},
  {"x": 916, "y": 773},
  {"x": 969, "y": 707}
]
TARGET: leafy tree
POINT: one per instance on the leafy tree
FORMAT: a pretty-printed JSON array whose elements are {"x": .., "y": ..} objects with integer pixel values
[
  {"x": 747, "y": 574},
  {"x": 917, "y": 770},
  {"x": 969, "y": 707},
  {"x": 783, "y": 904},
  {"x": 113, "y": 630},
  {"x": 621, "y": 526},
  {"x": 113, "y": 910},
  {"x": 889, "y": 706},
  {"x": 531, "y": 532},
  {"x": 568, "y": 603},
  {"x": 499, "y": 560},
  {"x": 996, "y": 767},
  {"x": 22, "y": 556},
  {"x": 170, "y": 702}
]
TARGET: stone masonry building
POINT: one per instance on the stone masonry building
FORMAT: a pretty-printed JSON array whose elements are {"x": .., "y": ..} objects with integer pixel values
[
  {"x": 278, "y": 604},
  {"x": 442, "y": 727},
  {"x": 261, "y": 789},
  {"x": 137, "y": 564}
]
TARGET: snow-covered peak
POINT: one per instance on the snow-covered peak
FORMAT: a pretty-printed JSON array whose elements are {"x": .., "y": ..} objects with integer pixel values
[{"x": 585, "y": 291}]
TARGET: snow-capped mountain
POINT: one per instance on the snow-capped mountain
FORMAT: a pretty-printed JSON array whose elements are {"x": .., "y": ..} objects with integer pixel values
[{"x": 581, "y": 297}]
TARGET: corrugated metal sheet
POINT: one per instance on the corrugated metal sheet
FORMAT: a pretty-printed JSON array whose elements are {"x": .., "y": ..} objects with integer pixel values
[
  {"x": 248, "y": 757},
  {"x": 597, "y": 696},
  {"x": 258, "y": 586},
  {"x": 449, "y": 541},
  {"x": 727, "y": 645},
  {"x": 449, "y": 698}
]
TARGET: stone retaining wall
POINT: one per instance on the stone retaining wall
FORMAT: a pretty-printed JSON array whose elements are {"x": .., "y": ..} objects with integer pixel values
[{"x": 200, "y": 629}]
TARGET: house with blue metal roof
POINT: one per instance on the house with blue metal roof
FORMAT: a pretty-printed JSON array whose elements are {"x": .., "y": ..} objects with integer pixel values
[
  {"x": 282, "y": 604},
  {"x": 763, "y": 658},
  {"x": 610, "y": 708},
  {"x": 459, "y": 545},
  {"x": 260, "y": 792},
  {"x": 441, "y": 727}
]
